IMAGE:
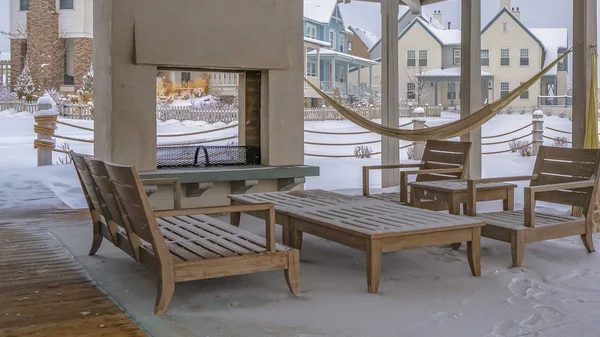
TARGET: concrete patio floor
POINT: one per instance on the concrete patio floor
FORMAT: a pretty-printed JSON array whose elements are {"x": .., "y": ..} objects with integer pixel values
[{"x": 423, "y": 292}]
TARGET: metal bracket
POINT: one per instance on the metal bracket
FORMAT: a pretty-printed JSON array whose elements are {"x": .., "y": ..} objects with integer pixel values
[
  {"x": 242, "y": 186},
  {"x": 287, "y": 184},
  {"x": 193, "y": 190}
]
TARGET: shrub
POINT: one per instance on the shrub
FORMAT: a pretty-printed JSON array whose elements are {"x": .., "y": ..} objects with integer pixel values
[
  {"x": 363, "y": 151},
  {"x": 520, "y": 146},
  {"x": 509, "y": 111},
  {"x": 522, "y": 112},
  {"x": 410, "y": 152},
  {"x": 7, "y": 95},
  {"x": 561, "y": 142},
  {"x": 562, "y": 114},
  {"x": 548, "y": 113},
  {"x": 57, "y": 97},
  {"x": 65, "y": 158}
]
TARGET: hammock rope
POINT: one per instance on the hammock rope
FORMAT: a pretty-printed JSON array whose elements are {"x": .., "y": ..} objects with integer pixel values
[{"x": 441, "y": 132}]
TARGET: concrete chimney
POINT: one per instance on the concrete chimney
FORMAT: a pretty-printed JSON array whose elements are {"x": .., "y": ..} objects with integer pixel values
[
  {"x": 517, "y": 13},
  {"x": 437, "y": 15},
  {"x": 505, "y": 3}
]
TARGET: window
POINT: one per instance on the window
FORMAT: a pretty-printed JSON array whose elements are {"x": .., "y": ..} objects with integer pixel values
[
  {"x": 456, "y": 56},
  {"x": 332, "y": 38},
  {"x": 504, "y": 27},
  {"x": 504, "y": 57},
  {"x": 562, "y": 65},
  {"x": 66, "y": 4},
  {"x": 349, "y": 46},
  {"x": 411, "y": 58},
  {"x": 410, "y": 91},
  {"x": 422, "y": 58},
  {"x": 485, "y": 57},
  {"x": 342, "y": 43},
  {"x": 24, "y": 5},
  {"x": 524, "y": 55},
  {"x": 525, "y": 94},
  {"x": 504, "y": 89},
  {"x": 452, "y": 90},
  {"x": 311, "y": 68},
  {"x": 186, "y": 76},
  {"x": 311, "y": 31}
]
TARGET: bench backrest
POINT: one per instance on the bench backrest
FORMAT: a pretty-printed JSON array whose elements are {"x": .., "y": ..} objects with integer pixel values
[
  {"x": 440, "y": 154},
  {"x": 87, "y": 183},
  {"x": 555, "y": 165},
  {"x": 135, "y": 208}
]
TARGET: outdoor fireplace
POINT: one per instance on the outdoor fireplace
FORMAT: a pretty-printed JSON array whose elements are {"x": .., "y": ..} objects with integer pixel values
[{"x": 206, "y": 156}]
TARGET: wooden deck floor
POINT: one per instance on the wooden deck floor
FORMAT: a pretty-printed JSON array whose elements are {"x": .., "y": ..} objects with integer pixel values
[{"x": 44, "y": 292}]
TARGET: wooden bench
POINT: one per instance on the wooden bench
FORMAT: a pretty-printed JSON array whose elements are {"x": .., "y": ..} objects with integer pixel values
[
  {"x": 560, "y": 175},
  {"x": 370, "y": 225},
  {"x": 180, "y": 245},
  {"x": 442, "y": 160}
]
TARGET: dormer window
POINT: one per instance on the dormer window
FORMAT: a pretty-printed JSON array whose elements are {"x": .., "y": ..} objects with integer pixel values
[
  {"x": 342, "y": 43},
  {"x": 332, "y": 38},
  {"x": 24, "y": 5}
]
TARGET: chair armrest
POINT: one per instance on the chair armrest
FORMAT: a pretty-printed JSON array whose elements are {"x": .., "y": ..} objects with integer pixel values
[
  {"x": 404, "y": 179},
  {"x": 529, "y": 208},
  {"x": 366, "y": 169},
  {"x": 168, "y": 181},
  {"x": 472, "y": 189},
  {"x": 269, "y": 219}
]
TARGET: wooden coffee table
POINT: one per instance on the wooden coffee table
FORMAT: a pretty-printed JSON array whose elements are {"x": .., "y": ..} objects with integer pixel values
[
  {"x": 369, "y": 225},
  {"x": 454, "y": 193}
]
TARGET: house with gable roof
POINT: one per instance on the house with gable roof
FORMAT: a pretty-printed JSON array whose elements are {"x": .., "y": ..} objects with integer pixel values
[{"x": 329, "y": 66}]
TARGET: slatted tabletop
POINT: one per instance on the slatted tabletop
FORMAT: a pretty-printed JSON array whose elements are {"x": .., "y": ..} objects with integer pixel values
[
  {"x": 359, "y": 215},
  {"x": 458, "y": 185},
  {"x": 44, "y": 292}
]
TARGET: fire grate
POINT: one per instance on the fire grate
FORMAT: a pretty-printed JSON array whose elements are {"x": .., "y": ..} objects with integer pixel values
[{"x": 204, "y": 156}]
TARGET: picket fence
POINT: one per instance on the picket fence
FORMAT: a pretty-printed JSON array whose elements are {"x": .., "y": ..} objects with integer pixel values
[
  {"x": 66, "y": 109},
  {"x": 328, "y": 114}
]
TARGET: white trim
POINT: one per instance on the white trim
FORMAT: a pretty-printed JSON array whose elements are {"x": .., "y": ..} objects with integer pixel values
[
  {"x": 332, "y": 38},
  {"x": 311, "y": 30}
]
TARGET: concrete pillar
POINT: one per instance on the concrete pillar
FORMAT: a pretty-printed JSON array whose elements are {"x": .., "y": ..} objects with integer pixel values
[
  {"x": 252, "y": 107},
  {"x": 418, "y": 123},
  {"x": 44, "y": 105},
  {"x": 389, "y": 90},
  {"x": 584, "y": 37},
  {"x": 470, "y": 82},
  {"x": 538, "y": 132},
  {"x": 242, "y": 109}
]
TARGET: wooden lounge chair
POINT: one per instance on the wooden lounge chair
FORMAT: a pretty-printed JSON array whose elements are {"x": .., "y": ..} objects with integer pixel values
[
  {"x": 560, "y": 175},
  {"x": 185, "y": 245},
  {"x": 442, "y": 160},
  {"x": 102, "y": 227}
]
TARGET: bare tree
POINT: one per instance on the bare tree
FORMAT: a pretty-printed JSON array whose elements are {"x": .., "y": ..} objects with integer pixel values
[{"x": 415, "y": 77}]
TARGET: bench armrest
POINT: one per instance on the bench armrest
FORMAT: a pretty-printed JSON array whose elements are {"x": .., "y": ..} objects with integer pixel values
[
  {"x": 404, "y": 178},
  {"x": 472, "y": 189},
  {"x": 269, "y": 219},
  {"x": 167, "y": 181},
  {"x": 366, "y": 169},
  {"x": 529, "y": 208}
]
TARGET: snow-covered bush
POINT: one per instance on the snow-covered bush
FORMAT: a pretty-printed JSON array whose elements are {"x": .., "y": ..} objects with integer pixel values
[
  {"x": 7, "y": 95},
  {"x": 548, "y": 113},
  {"x": 410, "y": 152},
  {"x": 57, "y": 97},
  {"x": 87, "y": 86},
  {"x": 562, "y": 114},
  {"x": 509, "y": 111},
  {"x": 520, "y": 146},
  {"x": 561, "y": 142},
  {"x": 65, "y": 159},
  {"x": 522, "y": 112},
  {"x": 363, "y": 151},
  {"x": 25, "y": 86}
]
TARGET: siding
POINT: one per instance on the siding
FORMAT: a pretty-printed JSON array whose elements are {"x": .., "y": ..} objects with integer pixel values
[
  {"x": 18, "y": 20},
  {"x": 88, "y": 19},
  {"x": 71, "y": 21},
  {"x": 448, "y": 57}
]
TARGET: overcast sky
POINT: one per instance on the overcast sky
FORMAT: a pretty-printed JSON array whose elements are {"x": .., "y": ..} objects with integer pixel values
[{"x": 534, "y": 13}]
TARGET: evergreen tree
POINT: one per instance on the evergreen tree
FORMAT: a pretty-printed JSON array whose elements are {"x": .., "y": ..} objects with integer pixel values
[
  {"x": 87, "y": 86},
  {"x": 25, "y": 86}
]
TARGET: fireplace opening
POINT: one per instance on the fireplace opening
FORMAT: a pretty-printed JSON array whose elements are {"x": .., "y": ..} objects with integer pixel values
[{"x": 207, "y": 156}]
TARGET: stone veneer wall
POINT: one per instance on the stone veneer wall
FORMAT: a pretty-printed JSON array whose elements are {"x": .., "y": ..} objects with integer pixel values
[
  {"x": 83, "y": 50},
  {"x": 18, "y": 50},
  {"x": 45, "y": 46}
]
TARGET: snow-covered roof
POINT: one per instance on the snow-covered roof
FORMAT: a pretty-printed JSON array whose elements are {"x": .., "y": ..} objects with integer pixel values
[
  {"x": 445, "y": 36},
  {"x": 319, "y": 10},
  {"x": 348, "y": 57},
  {"x": 448, "y": 72},
  {"x": 318, "y": 42},
  {"x": 552, "y": 39},
  {"x": 368, "y": 38},
  {"x": 4, "y": 56}
]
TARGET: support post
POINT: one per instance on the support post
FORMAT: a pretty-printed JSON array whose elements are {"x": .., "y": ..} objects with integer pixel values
[
  {"x": 418, "y": 123},
  {"x": 252, "y": 107},
  {"x": 584, "y": 38},
  {"x": 538, "y": 132},
  {"x": 242, "y": 109},
  {"x": 389, "y": 90},
  {"x": 44, "y": 155},
  {"x": 470, "y": 78}
]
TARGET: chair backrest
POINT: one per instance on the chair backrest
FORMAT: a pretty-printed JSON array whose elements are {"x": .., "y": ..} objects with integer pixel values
[
  {"x": 101, "y": 179},
  {"x": 87, "y": 183},
  {"x": 555, "y": 165},
  {"x": 440, "y": 154},
  {"x": 135, "y": 208}
]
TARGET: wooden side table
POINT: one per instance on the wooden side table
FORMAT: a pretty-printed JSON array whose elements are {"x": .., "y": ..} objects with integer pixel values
[{"x": 434, "y": 194}]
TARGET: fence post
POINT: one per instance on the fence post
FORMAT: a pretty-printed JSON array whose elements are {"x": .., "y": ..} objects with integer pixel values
[
  {"x": 418, "y": 119},
  {"x": 45, "y": 117},
  {"x": 538, "y": 132}
]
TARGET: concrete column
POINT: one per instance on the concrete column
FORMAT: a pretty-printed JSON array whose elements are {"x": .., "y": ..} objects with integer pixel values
[
  {"x": 584, "y": 37},
  {"x": 44, "y": 156},
  {"x": 252, "y": 107},
  {"x": 242, "y": 109},
  {"x": 389, "y": 90},
  {"x": 470, "y": 82},
  {"x": 538, "y": 132}
]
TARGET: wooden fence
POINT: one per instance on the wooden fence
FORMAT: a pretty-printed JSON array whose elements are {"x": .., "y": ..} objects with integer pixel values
[{"x": 68, "y": 110}]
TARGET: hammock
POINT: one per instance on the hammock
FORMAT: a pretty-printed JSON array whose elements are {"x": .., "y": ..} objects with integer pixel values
[{"x": 446, "y": 131}]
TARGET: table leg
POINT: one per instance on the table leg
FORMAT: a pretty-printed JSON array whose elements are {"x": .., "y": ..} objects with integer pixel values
[
  {"x": 474, "y": 252},
  {"x": 295, "y": 236},
  {"x": 373, "y": 265},
  {"x": 454, "y": 208},
  {"x": 415, "y": 200},
  {"x": 285, "y": 232},
  {"x": 509, "y": 202}
]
